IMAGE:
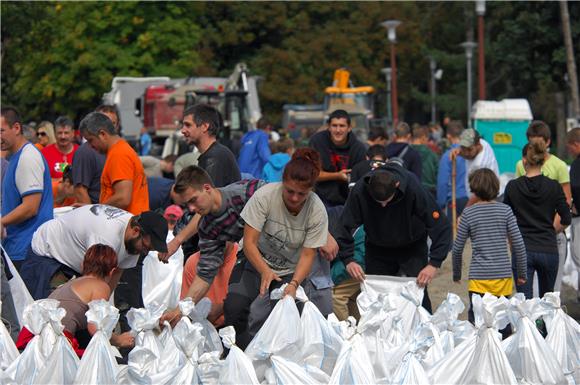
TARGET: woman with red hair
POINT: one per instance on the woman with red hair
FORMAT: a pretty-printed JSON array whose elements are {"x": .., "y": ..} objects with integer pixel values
[
  {"x": 285, "y": 224},
  {"x": 98, "y": 266}
]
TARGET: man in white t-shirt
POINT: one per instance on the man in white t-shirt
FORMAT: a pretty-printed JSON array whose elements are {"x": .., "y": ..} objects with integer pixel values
[
  {"x": 59, "y": 245},
  {"x": 477, "y": 154}
]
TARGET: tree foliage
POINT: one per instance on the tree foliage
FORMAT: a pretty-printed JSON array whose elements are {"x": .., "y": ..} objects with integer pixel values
[{"x": 61, "y": 57}]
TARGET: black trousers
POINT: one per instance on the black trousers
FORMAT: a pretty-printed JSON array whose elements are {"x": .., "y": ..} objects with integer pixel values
[{"x": 406, "y": 260}]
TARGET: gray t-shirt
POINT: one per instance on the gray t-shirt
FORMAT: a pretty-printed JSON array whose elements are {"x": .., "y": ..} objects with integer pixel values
[
  {"x": 283, "y": 235},
  {"x": 87, "y": 169}
]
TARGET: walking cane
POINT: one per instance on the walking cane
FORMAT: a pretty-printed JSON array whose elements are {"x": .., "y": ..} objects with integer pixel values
[{"x": 454, "y": 195}]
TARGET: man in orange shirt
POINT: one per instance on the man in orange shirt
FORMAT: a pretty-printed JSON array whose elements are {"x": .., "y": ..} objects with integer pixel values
[{"x": 123, "y": 181}]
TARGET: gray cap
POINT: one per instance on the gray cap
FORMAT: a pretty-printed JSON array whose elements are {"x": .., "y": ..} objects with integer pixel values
[{"x": 469, "y": 138}]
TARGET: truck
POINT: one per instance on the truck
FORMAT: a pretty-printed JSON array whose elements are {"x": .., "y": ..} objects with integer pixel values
[
  {"x": 157, "y": 104},
  {"x": 357, "y": 101}
]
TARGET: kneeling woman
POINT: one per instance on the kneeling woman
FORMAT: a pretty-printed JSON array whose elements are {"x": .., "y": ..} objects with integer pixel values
[
  {"x": 74, "y": 296},
  {"x": 284, "y": 225}
]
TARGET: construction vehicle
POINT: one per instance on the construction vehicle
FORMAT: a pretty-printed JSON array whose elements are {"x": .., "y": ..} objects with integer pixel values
[
  {"x": 157, "y": 104},
  {"x": 357, "y": 101}
]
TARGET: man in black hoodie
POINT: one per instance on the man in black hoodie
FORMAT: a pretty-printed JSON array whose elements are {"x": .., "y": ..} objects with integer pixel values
[
  {"x": 398, "y": 214},
  {"x": 339, "y": 151}
]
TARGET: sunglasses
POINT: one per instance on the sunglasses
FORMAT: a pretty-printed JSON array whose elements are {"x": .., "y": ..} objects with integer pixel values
[{"x": 39, "y": 134}]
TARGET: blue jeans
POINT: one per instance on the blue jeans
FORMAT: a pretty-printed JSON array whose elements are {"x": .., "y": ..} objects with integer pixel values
[{"x": 546, "y": 265}]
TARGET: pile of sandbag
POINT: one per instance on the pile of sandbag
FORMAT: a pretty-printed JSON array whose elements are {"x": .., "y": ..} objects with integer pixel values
[{"x": 395, "y": 341}]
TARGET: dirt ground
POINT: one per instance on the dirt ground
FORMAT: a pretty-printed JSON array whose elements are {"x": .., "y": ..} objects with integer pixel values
[{"x": 443, "y": 283}]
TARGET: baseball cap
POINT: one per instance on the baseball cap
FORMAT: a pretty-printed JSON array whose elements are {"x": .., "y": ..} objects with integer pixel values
[
  {"x": 174, "y": 210},
  {"x": 469, "y": 137},
  {"x": 154, "y": 225}
]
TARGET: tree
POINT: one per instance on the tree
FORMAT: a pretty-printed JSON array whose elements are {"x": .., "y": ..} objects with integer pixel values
[{"x": 61, "y": 57}]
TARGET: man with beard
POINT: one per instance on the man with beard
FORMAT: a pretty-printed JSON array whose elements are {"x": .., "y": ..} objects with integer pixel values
[{"x": 58, "y": 246}]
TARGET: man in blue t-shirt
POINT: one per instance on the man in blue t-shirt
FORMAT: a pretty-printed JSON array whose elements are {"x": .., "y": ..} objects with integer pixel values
[
  {"x": 255, "y": 151},
  {"x": 26, "y": 189}
]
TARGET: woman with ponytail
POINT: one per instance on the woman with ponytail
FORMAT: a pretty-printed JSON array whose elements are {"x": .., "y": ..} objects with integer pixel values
[
  {"x": 285, "y": 223},
  {"x": 535, "y": 200}
]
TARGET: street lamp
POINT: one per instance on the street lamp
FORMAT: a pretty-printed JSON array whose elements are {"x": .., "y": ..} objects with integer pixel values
[
  {"x": 436, "y": 74},
  {"x": 391, "y": 26},
  {"x": 480, "y": 10},
  {"x": 387, "y": 72},
  {"x": 469, "y": 46}
]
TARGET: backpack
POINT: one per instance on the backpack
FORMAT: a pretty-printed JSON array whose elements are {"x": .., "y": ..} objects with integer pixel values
[{"x": 399, "y": 159}]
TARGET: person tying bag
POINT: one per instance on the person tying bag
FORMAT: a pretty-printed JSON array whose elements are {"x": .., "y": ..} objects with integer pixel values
[{"x": 285, "y": 223}]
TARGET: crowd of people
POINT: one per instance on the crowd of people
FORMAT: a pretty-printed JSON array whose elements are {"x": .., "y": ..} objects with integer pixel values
[{"x": 320, "y": 215}]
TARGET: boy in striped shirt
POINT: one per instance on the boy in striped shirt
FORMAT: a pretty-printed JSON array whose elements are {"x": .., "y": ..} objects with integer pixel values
[{"x": 490, "y": 225}]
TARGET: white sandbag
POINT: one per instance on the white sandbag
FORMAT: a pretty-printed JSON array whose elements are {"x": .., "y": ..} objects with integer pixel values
[
  {"x": 139, "y": 369},
  {"x": 452, "y": 331},
  {"x": 209, "y": 368},
  {"x": 98, "y": 364},
  {"x": 345, "y": 329},
  {"x": 353, "y": 365},
  {"x": 142, "y": 322},
  {"x": 198, "y": 313},
  {"x": 531, "y": 359},
  {"x": 62, "y": 363},
  {"x": 171, "y": 357},
  {"x": 563, "y": 336},
  {"x": 20, "y": 294},
  {"x": 189, "y": 340},
  {"x": 286, "y": 372},
  {"x": 320, "y": 343},
  {"x": 374, "y": 285},
  {"x": 162, "y": 281},
  {"x": 8, "y": 351},
  {"x": 374, "y": 327},
  {"x": 410, "y": 372},
  {"x": 237, "y": 367},
  {"x": 432, "y": 345},
  {"x": 279, "y": 335},
  {"x": 483, "y": 360},
  {"x": 29, "y": 364}
]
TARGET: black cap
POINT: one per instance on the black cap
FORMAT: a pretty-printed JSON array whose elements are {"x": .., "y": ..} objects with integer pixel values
[{"x": 154, "y": 225}]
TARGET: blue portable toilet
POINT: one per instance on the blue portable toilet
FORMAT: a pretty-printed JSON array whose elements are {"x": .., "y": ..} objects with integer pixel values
[{"x": 503, "y": 125}]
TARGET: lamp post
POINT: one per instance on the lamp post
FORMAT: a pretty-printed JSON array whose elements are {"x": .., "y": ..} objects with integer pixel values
[
  {"x": 480, "y": 10},
  {"x": 436, "y": 74},
  {"x": 469, "y": 46},
  {"x": 391, "y": 26},
  {"x": 387, "y": 72}
]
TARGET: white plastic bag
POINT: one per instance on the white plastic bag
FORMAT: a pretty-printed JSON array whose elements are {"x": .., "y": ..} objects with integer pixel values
[
  {"x": 320, "y": 343},
  {"x": 483, "y": 360},
  {"x": 36, "y": 319},
  {"x": 374, "y": 285},
  {"x": 452, "y": 331},
  {"x": 198, "y": 313},
  {"x": 353, "y": 365},
  {"x": 171, "y": 357},
  {"x": 531, "y": 359},
  {"x": 189, "y": 340},
  {"x": 280, "y": 335},
  {"x": 20, "y": 294},
  {"x": 162, "y": 281},
  {"x": 62, "y": 363},
  {"x": 139, "y": 370},
  {"x": 237, "y": 367},
  {"x": 8, "y": 351},
  {"x": 563, "y": 336},
  {"x": 142, "y": 322},
  {"x": 98, "y": 364},
  {"x": 286, "y": 372},
  {"x": 410, "y": 371}
]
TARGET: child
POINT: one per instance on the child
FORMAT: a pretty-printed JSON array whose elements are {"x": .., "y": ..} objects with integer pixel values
[
  {"x": 281, "y": 154},
  {"x": 490, "y": 225}
]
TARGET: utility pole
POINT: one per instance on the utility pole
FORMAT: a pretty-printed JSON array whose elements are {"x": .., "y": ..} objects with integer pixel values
[
  {"x": 391, "y": 26},
  {"x": 570, "y": 62},
  {"x": 480, "y": 10}
]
